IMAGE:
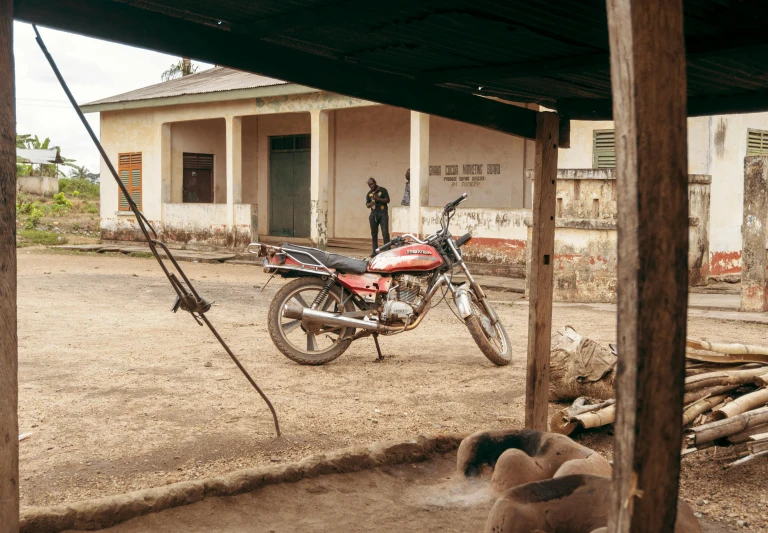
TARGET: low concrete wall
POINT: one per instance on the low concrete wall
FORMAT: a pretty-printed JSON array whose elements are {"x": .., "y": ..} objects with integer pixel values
[
  {"x": 586, "y": 234},
  {"x": 42, "y": 185},
  {"x": 498, "y": 235},
  {"x": 198, "y": 226}
]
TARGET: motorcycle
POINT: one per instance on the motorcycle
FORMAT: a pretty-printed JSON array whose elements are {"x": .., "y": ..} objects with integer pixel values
[{"x": 335, "y": 300}]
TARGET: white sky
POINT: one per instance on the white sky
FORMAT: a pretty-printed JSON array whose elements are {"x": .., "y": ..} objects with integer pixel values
[{"x": 93, "y": 69}]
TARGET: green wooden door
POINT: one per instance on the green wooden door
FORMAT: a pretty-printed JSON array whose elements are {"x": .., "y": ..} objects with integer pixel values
[
  {"x": 289, "y": 187},
  {"x": 301, "y": 199}
]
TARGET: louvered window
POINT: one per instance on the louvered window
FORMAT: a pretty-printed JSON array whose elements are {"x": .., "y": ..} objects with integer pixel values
[
  {"x": 604, "y": 149},
  {"x": 129, "y": 169},
  {"x": 757, "y": 142},
  {"x": 198, "y": 161}
]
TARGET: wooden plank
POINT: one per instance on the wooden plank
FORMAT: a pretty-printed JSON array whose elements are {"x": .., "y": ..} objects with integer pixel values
[
  {"x": 540, "y": 276},
  {"x": 9, "y": 426},
  {"x": 124, "y": 23},
  {"x": 649, "y": 104}
]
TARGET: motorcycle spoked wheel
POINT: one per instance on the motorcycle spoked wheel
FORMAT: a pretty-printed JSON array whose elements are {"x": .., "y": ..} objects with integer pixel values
[
  {"x": 292, "y": 339},
  {"x": 492, "y": 339}
]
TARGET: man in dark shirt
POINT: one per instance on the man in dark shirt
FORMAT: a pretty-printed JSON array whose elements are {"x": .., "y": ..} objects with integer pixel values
[{"x": 376, "y": 200}]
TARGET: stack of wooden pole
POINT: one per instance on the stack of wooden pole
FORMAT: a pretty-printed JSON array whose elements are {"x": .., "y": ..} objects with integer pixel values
[{"x": 726, "y": 401}]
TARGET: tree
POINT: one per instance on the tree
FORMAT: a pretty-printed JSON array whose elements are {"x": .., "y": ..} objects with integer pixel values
[
  {"x": 183, "y": 67},
  {"x": 82, "y": 173}
]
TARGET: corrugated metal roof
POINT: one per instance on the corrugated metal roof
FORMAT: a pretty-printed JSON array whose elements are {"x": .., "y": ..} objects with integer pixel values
[
  {"x": 213, "y": 80},
  {"x": 550, "y": 52},
  {"x": 39, "y": 155}
]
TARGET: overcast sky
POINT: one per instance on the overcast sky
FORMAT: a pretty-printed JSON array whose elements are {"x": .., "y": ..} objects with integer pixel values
[{"x": 93, "y": 69}]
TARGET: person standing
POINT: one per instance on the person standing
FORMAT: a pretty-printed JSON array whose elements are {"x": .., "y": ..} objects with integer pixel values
[
  {"x": 407, "y": 193},
  {"x": 376, "y": 200}
]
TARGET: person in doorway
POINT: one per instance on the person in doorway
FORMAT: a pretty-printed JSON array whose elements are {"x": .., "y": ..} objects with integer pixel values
[
  {"x": 407, "y": 193},
  {"x": 376, "y": 200}
]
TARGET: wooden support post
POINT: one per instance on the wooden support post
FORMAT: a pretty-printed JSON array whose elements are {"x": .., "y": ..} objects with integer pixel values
[
  {"x": 9, "y": 426},
  {"x": 649, "y": 106},
  {"x": 540, "y": 276}
]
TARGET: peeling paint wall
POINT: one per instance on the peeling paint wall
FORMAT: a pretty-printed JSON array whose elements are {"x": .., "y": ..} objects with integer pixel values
[
  {"x": 491, "y": 164},
  {"x": 370, "y": 142},
  {"x": 717, "y": 146},
  {"x": 585, "y": 261},
  {"x": 586, "y": 234},
  {"x": 198, "y": 226},
  {"x": 754, "y": 277},
  {"x": 498, "y": 235}
]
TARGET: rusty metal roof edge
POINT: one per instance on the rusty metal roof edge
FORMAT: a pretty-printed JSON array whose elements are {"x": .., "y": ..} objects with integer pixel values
[{"x": 201, "y": 98}]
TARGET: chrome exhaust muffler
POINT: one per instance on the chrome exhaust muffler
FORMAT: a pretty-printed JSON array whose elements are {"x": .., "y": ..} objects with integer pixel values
[{"x": 298, "y": 312}]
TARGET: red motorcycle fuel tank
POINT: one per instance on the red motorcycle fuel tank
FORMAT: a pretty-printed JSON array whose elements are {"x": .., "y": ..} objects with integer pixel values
[{"x": 410, "y": 258}]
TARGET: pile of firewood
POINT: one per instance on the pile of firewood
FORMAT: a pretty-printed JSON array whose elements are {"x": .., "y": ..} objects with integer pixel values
[{"x": 726, "y": 401}]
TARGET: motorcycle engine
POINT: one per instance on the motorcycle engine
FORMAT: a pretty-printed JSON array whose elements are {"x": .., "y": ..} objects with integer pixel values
[{"x": 403, "y": 298}]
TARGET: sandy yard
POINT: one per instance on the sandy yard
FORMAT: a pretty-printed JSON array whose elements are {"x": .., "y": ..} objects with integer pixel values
[{"x": 118, "y": 396}]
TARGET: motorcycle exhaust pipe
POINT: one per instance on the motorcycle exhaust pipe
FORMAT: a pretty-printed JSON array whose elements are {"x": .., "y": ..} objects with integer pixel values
[{"x": 298, "y": 312}]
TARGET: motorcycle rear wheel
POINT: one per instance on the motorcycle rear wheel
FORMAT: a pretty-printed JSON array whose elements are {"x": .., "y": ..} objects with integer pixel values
[
  {"x": 296, "y": 343},
  {"x": 492, "y": 339}
]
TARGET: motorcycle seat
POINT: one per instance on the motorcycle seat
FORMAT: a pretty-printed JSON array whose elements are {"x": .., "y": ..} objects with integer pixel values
[{"x": 340, "y": 263}]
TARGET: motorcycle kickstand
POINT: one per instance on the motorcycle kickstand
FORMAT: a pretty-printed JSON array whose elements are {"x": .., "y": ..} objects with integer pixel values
[{"x": 378, "y": 348}]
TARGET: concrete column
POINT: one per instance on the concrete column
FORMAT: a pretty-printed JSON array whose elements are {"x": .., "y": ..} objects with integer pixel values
[
  {"x": 419, "y": 170},
  {"x": 165, "y": 169},
  {"x": 318, "y": 219},
  {"x": 754, "y": 235},
  {"x": 699, "y": 186},
  {"x": 234, "y": 173},
  {"x": 9, "y": 426}
]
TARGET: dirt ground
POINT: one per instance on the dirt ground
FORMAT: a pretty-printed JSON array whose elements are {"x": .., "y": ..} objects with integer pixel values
[
  {"x": 120, "y": 394},
  {"x": 411, "y": 498}
]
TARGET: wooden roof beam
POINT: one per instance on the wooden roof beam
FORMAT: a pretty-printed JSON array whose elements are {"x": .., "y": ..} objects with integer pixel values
[
  {"x": 753, "y": 102},
  {"x": 349, "y": 11},
  {"x": 126, "y": 24},
  {"x": 698, "y": 49}
]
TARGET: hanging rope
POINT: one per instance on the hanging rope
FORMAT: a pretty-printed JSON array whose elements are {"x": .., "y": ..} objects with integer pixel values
[{"x": 187, "y": 298}]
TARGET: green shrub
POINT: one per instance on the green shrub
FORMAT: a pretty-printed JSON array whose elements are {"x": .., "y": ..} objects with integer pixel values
[
  {"x": 76, "y": 193},
  {"x": 34, "y": 214},
  {"x": 82, "y": 186},
  {"x": 61, "y": 201},
  {"x": 47, "y": 238}
]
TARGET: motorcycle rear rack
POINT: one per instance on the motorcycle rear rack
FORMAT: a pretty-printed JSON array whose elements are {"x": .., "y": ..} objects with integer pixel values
[{"x": 317, "y": 267}]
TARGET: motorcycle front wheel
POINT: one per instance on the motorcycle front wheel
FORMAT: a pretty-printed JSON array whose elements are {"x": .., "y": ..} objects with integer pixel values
[
  {"x": 492, "y": 339},
  {"x": 308, "y": 347}
]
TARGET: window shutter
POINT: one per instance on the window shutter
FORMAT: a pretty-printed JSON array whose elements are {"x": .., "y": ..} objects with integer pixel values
[
  {"x": 130, "y": 174},
  {"x": 604, "y": 149},
  {"x": 757, "y": 142}
]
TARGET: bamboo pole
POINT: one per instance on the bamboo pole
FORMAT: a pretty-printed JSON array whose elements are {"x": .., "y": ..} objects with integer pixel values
[
  {"x": 743, "y": 404},
  {"x": 730, "y": 349},
  {"x": 746, "y": 435},
  {"x": 729, "y": 426},
  {"x": 694, "y": 396},
  {"x": 701, "y": 406},
  {"x": 722, "y": 378},
  {"x": 595, "y": 419}
]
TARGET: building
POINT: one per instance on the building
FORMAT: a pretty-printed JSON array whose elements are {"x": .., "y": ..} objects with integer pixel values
[{"x": 222, "y": 157}]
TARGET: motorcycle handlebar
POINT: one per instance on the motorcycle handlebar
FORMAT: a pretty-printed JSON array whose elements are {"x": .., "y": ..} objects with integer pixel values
[
  {"x": 456, "y": 202},
  {"x": 388, "y": 245}
]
